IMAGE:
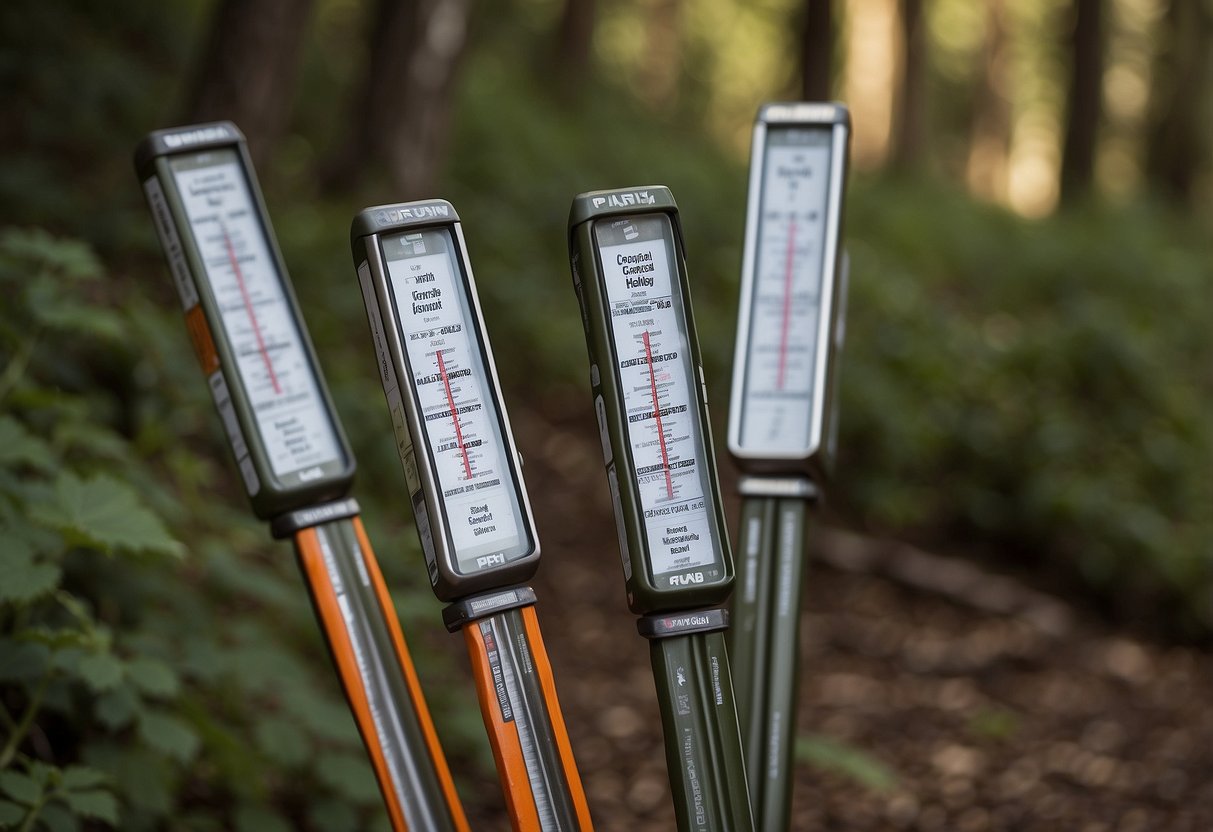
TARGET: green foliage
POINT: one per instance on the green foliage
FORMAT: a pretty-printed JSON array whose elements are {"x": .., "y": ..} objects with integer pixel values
[
  {"x": 57, "y": 797},
  {"x": 56, "y": 518},
  {"x": 1037, "y": 388},
  {"x": 137, "y": 678},
  {"x": 105, "y": 515}
]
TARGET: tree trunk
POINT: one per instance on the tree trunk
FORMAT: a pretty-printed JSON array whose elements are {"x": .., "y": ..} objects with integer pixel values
[
  {"x": 817, "y": 50},
  {"x": 990, "y": 142},
  {"x": 401, "y": 116},
  {"x": 249, "y": 68},
  {"x": 1175, "y": 143},
  {"x": 909, "y": 136},
  {"x": 1084, "y": 104},
  {"x": 661, "y": 70},
  {"x": 573, "y": 49}
]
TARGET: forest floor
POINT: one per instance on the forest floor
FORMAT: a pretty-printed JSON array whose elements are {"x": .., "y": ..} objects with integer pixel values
[{"x": 987, "y": 713}]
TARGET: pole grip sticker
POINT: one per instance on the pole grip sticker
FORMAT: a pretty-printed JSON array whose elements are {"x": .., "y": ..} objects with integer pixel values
[
  {"x": 227, "y": 412},
  {"x": 171, "y": 243}
]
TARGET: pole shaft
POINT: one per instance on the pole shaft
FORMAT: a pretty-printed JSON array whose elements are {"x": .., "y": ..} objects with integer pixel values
[
  {"x": 766, "y": 640},
  {"x": 377, "y": 674},
  {"x": 526, "y": 729},
  {"x": 749, "y": 633},
  {"x": 774, "y": 769},
  {"x": 702, "y": 740}
]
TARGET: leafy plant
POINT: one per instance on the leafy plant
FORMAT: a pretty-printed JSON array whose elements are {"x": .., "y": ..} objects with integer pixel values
[
  {"x": 59, "y": 517},
  {"x": 1041, "y": 390},
  {"x": 56, "y": 796},
  {"x": 140, "y": 682}
]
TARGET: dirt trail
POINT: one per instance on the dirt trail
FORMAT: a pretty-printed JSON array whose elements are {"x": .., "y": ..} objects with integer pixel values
[{"x": 987, "y": 721}]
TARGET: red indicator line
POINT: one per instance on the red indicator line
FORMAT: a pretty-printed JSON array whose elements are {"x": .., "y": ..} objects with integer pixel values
[
  {"x": 248, "y": 307},
  {"x": 665, "y": 456},
  {"x": 450, "y": 400},
  {"x": 787, "y": 305}
]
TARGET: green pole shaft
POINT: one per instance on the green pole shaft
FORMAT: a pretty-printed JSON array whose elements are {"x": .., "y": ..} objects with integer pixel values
[
  {"x": 765, "y": 641},
  {"x": 749, "y": 632},
  {"x": 774, "y": 769},
  {"x": 702, "y": 739}
]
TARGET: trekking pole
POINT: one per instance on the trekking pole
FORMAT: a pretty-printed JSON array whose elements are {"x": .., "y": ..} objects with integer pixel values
[
  {"x": 468, "y": 497},
  {"x": 296, "y": 465},
  {"x": 628, "y": 263},
  {"x": 782, "y": 416}
]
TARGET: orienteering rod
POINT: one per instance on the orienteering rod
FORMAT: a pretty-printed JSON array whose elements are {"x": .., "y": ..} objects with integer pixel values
[
  {"x": 628, "y": 264},
  {"x": 292, "y": 454},
  {"x": 465, "y": 486},
  {"x": 782, "y": 416}
]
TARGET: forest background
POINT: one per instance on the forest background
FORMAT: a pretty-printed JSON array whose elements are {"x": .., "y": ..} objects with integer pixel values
[{"x": 1027, "y": 379}]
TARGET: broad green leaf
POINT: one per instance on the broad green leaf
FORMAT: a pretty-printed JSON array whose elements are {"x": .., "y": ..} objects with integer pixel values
[
  {"x": 79, "y": 319},
  {"x": 282, "y": 741},
  {"x": 20, "y": 787},
  {"x": 82, "y": 612},
  {"x": 10, "y": 813},
  {"x": 67, "y": 658},
  {"x": 259, "y": 819},
  {"x": 22, "y": 660},
  {"x": 57, "y": 818},
  {"x": 153, "y": 677},
  {"x": 36, "y": 247},
  {"x": 23, "y": 492},
  {"x": 105, "y": 513},
  {"x": 100, "y": 671},
  {"x": 830, "y": 755},
  {"x": 349, "y": 776},
  {"x": 202, "y": 657},
  {"x": 324, "y": 718},
  {"x": 41, "y": 773},
  {"x": 261, "y": 665},
  {"x": 22, "y": 578},
  {"x": 168, "y": 734},
  {"x": 82, "y": 777},
  {"x": 116, "y": 708},
  {"x": 20, "y": 447},
  {"x": 96, "y": 439},
  {"x": 140, "y": 775},
  {"x": 94, "y": 804},
  {"x": 69, "y": 643}
]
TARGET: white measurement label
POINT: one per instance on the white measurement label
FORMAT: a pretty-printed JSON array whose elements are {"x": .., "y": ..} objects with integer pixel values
[
  {"x": 271, "y": 363},
  {"x": 461, "y": 423},
  {"x": 657, "y": 383},
  {"x": 785, "y": 306}
]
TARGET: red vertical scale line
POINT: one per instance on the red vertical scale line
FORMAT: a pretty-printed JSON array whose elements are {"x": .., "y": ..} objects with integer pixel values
[
  {"x": 665, "y": 456},
  {"x": 787, "y": 305},
  {"x": 248, "y": 307},
  {"x": 450, "y": 400}
]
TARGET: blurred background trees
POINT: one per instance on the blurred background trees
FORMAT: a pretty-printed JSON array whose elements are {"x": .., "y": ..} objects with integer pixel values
[
  {"x": 1062, "y": 97},
  {"x": 1027, "y": 377}
]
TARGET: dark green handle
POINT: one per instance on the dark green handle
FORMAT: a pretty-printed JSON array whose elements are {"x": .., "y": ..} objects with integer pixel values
[{"x": 702, "y": 740}]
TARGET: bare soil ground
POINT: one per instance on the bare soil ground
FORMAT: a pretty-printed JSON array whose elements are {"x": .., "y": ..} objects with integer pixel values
[{"x": 989, "y": 717}]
